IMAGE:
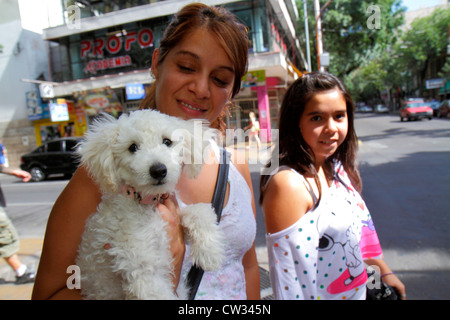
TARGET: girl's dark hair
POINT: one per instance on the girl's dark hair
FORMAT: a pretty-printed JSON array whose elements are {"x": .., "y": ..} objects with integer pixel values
[
  {"x": 293, "y": 150},
  {"x": 231, "y": 34}
]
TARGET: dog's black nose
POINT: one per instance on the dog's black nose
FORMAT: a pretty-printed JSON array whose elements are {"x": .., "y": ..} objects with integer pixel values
[{"x": 158, "y": 171}]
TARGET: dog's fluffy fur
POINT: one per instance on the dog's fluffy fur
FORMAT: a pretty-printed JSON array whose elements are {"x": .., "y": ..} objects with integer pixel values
[{"x": 124, "y": 252}]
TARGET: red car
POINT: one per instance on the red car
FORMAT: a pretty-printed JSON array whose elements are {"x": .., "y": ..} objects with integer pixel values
[{"x": 414, "y": 110}]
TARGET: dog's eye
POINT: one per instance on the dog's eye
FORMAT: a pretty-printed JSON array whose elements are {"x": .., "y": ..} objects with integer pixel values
[
  {"x": 133, "y": 148},
  {"x": 167, "y": 142}
]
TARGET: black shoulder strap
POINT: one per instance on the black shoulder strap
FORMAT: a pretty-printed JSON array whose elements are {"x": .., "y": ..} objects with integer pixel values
[
  {"x": 195, "y": 274},
  {"x": 221, "y": 184}
]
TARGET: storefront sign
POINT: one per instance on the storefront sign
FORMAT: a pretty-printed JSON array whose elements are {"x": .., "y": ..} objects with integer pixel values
[
  {"x": 255, "y": 78},
  {"x": 104, "y": 50},
  {"x": 135, "y": 91},
  {"x": 59, "y": 112},
  {"x": 95, "y": 65},
  {"x": 34, "y": 105},
  {"x": 435, "y": 83},
  {"x": 98, "y": 100},
  {"x": 113, "y": 44}
]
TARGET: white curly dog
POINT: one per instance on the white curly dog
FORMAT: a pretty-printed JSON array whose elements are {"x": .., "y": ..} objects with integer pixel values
[{"x": 137, "y": 160}]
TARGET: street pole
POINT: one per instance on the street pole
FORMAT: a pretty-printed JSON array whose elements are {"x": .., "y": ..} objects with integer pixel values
[
  {"x": 308, "y": 52},
  {"x": 318, "y": 34}
]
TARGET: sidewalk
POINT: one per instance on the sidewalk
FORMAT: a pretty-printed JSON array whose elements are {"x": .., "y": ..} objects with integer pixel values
[{"x": 29, "y": 253}]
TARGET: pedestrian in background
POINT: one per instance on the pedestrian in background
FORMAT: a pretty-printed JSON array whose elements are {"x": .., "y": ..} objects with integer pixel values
[
  {"x": 320, "y": 231},
  {"x": 253, "y": 128},
  {"x": 3, "y": 156},
  {"x": 9, "y": 238}
]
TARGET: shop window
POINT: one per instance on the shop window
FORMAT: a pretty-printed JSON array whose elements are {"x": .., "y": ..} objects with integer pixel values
[{"x": 253, "y": 15}]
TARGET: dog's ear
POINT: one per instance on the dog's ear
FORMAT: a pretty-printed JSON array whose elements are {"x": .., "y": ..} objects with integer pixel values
[
  {"x": 96, "y": 153},
  {"x": 198, "y": 140}
]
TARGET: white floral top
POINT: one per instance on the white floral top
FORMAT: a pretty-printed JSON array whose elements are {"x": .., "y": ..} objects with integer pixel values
[{"x": 321, "y": 255}]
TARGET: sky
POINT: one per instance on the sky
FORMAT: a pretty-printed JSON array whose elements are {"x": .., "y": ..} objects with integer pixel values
[{"x": 416, "y": 4}]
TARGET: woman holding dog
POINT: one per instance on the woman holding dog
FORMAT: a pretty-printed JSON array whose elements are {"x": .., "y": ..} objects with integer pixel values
[{"x": 197, "y": 68}]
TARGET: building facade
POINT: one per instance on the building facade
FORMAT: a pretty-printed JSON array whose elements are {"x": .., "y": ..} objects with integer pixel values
[
  {"x": 99, "y": 60},
  {"x": 23, "y": 56}
]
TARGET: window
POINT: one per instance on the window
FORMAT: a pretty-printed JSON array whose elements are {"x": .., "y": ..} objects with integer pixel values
[
  {"x": 70, "y": 145},
  {"x": 54, "y": 146}
]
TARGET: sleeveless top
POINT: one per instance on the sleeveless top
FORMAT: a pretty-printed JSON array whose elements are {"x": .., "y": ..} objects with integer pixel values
[
  {"x": 239, "y": 227},
  {"x": 321, "y": 256}
]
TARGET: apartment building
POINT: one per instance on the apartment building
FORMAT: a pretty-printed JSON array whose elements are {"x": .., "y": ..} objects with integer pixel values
[{"x": 100, "y": 54}]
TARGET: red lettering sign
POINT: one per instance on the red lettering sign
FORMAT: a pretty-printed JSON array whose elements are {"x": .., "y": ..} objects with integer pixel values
[
  {"x": 94, "y": 48},
  {"x": 143, "y": 34},
  {"x": 97, "y": 65},
  {"x": 113, "y": 44},
  {"x": 98, "y": 47},
  {"x": 85, "y": 46},
  {"x": 131, "y": 37}
]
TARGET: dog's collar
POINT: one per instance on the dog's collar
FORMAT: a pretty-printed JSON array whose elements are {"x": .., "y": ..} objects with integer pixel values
[{"x": 131, "y": 193}]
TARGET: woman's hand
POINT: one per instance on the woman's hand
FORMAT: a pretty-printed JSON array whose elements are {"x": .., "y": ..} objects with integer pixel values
[{"x": 170, "y": 212}]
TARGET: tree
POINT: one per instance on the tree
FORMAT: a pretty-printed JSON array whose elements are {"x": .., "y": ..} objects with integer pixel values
[
  {"x": 401, "y": 68},
  {"x": 445, "y": 71},
  {"x": 424, "y": 42},
  {"x": 354, "y": 31}
]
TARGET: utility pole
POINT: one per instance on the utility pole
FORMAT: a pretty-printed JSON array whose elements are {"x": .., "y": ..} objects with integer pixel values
[
  {"x": 318, "y": 34},
  {"x": 308, "y": 52}
]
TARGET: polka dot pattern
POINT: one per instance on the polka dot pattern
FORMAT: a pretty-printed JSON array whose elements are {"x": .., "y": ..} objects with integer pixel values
[{"x": 319, "y": 254}]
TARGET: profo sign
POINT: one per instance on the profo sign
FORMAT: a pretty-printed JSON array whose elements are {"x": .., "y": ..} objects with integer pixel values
[{"x": 110, "y": 52}]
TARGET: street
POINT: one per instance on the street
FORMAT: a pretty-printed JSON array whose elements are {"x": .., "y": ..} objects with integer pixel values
[
  {"x": 406, "y": 177},
  {"x": 406, "y": 186}
]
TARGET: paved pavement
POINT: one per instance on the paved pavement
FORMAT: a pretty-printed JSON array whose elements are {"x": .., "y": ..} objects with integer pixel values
[{"x": 29, "y": 253}]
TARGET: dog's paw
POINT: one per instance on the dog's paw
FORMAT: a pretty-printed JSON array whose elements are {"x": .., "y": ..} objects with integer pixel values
[
  {"x": 208, "y": 261},
  {"x": 204, "y": 235},
  {"x": 209, "y": 254}
]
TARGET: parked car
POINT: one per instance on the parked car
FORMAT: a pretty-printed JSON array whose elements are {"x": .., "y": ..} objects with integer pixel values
[
  {"x": 52, "y": 157},
  {"x": 414, "y": 110},
  {"x": 444, "y": 109},
  {"x": 363, "y": 108},
  {"x": 381, "y": 108}
]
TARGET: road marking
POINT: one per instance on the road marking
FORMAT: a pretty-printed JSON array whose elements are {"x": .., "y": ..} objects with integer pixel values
[{"x": 30, "y": 204}]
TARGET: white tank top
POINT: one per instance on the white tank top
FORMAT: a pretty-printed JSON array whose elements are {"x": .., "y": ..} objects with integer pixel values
[{"x": 239, "y": 227}]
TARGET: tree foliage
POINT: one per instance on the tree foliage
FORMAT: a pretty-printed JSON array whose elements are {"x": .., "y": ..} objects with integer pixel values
[
  {"x": 374, "y": 58},
  {"x": 424, "y": 42},
  {"x": 348, "y": 33}
]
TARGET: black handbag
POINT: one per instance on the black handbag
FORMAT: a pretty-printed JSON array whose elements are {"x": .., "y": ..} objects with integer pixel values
[
  {"x": 382, "y": 291},
  {"x": 196, "y": 273}
]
